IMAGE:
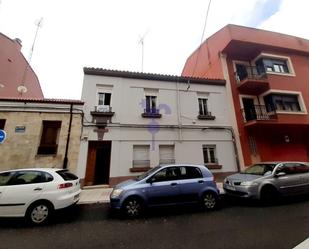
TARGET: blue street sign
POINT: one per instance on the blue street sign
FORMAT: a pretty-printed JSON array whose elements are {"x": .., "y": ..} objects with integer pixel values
[{"x": 2, "y": 136}]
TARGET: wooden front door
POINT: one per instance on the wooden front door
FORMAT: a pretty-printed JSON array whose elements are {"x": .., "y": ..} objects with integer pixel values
[{"x": 98, "y": 163}]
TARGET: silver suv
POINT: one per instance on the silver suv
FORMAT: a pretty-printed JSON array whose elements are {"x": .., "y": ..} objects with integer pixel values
[{"x": 267, "y": 181}]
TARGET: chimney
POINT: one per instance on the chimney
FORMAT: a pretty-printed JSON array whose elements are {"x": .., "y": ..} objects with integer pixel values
[{"x": 17, "y": 41}]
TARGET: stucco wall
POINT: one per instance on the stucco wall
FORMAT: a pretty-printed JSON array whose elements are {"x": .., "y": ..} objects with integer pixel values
[
  {"x": 19, "y": 150},
  {"x": 188, "y": 133}
]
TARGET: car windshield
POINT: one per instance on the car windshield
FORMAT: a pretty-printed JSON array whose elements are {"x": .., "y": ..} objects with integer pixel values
[
  {"x": 260, "y": 169},
  {"x": 149, "y": 172}
]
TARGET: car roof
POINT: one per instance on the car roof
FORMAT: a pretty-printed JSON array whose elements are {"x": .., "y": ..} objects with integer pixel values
[
  {"x": 50, "y": 170},
  {"x": 277, "y": 162},
  {"x": 181, "y": 165}
]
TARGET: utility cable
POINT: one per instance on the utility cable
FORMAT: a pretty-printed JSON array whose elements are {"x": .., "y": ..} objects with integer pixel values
[{"x": 202, "y": 38}]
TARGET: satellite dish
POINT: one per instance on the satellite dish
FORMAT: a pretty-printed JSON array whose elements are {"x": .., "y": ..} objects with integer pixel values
[{"x": 22, "y": 89}]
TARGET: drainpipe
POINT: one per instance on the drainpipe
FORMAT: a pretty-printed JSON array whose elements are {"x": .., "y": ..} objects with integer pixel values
[
  {"x": 65, "y": 160},
  {"x": 235, "y": 148},
  {"x": 179, "y": 112}
]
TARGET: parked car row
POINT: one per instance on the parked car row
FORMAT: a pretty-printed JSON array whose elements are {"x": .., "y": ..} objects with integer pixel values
[
  {"x": 36, "y": 193},
  {"x": 180, "y": 184}
]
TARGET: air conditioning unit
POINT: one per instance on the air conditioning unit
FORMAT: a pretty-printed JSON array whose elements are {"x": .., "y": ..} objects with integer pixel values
[{"x": 103, "y": 108}]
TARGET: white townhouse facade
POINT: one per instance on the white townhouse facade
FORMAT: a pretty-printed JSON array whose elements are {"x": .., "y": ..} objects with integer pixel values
[{"x": 135, "y": 121}]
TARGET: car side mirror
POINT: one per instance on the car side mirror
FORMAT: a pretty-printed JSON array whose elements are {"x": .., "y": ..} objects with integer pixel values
[
  {"x": 151, "y": 180},
  {"x": 280, "y": 174}
]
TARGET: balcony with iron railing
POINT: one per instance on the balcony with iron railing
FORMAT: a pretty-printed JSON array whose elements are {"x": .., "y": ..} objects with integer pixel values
[
  {"x": 102, "y": 114},
  {"x": 151, "y": 113},
  {"x": 252, "y": 80},
  {"x": 258, "y": 113},
  {"x": 205, "y": 115}
]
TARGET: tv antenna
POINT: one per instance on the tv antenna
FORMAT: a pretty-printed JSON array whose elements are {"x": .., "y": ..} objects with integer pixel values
[
  {"x": 141, "y": 41},
  {"x": 22, "y": 88}
]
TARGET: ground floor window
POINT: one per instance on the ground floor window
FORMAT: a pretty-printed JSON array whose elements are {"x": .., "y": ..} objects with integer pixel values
[
  {"x": 2, "y": 124},
  {"x": 167, "y": 154},
  {"x": 252, "y": 144},
  {"x": 209, "y": 153},
  {"x": 141, "y": 157},
  {"x": 49, "y": 138}
]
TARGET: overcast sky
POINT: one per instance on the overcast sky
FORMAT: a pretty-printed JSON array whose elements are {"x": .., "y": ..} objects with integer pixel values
[{"x": 106, "y": 34}]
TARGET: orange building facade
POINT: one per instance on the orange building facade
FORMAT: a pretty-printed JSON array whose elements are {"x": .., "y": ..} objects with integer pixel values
[
  {"x": 267, "y": 76},
  {"x": 15, "y": 71}
]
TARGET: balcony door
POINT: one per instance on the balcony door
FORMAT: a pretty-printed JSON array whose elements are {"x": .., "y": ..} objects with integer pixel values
[{"x": 249, "y": 109}]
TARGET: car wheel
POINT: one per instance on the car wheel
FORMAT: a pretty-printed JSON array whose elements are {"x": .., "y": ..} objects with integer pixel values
[
  {"x": 269, "y": 195},
  {"x": 133, "y": 207},
  {"x": 209, "y": 201},
  {"x": 39, "y": 213}
]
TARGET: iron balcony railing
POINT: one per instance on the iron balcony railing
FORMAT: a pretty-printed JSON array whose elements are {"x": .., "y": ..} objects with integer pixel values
[
  {"x": 151, "y": 111},
  {"x": 258, "y": 112},
  {"x": 103, "y": 108},
  {"x": 202, "y": 113},
  {"x": 250, "y": 73},
  {"x": 211, "y": 160}
]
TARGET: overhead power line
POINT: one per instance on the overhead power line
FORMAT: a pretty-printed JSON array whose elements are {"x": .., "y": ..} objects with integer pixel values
[{"x": 202, "y": 38}]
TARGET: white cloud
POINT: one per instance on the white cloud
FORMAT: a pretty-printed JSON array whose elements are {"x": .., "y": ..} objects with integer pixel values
[
  {"x": 292, "y": 19},
  {"x": 103, "y": 33}
]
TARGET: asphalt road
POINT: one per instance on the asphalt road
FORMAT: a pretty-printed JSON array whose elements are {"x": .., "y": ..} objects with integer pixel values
[{"x": 236, "y": 225}]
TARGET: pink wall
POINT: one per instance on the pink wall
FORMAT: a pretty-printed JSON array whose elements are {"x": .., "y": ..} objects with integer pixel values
[{"x": 13, "y": 66}]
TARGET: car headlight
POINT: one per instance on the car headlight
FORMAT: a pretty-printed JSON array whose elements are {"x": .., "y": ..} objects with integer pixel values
[
  {"x": 248, "y": 183},
  {"x": 116, "y": 193}
]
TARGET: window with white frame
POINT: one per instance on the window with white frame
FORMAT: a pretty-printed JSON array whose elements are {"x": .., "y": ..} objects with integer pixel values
[
  {"x": 203, "y": 109},
  {"x": 151, "y": 104},
  {"x": 209, "y": 153},
  {"x": 282, "y": 102},
  {"x": 141, "y": 156},
  {"x": 273, "y": 65},
  {"x": 167, "y": 154},
  {"x": 104, "y": 98}
]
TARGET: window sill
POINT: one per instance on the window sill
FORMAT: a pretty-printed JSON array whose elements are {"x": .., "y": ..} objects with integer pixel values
[
  {"x": 206, "y": 117},
  {"x": 213, "y": 166},
  {"x": 45, "y": 155},
  {"x": 139, "y": 169},
  {"x": 281, "y": 74},
  {"x": 151, "y": 115},
  {"x": 294, "y": 113}
]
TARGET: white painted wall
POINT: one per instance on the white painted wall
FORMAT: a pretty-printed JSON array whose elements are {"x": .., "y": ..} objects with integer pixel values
[{"x": 127, "y": 95}]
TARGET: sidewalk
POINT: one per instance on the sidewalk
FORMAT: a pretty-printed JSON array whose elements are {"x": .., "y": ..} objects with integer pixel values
[{"x": 101, "y": 194}]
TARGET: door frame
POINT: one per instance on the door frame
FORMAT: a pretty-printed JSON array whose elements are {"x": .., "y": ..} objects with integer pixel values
[{"x": 91, "y": 161}]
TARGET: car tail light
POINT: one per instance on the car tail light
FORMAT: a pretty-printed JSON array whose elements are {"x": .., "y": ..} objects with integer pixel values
[{"x": 65, "y": 185}]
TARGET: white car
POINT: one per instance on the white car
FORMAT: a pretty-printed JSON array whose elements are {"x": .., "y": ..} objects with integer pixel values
[{"x": 36, "y": 193}]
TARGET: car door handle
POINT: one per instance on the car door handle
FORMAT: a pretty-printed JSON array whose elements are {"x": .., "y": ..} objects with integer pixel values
[
  {"x": 200, "y": 181},
  {"x": 37, "y": 189},
  {"x": 173, "y": 183}
]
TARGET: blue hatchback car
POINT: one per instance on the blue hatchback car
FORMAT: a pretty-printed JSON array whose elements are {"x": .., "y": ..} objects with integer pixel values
[{"x": 166, "y": 185}]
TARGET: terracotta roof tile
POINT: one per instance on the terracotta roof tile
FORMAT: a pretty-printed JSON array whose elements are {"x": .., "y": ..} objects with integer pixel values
[
  {"x": 151, "y": 76},
  {"x": 36, "y": 100}
]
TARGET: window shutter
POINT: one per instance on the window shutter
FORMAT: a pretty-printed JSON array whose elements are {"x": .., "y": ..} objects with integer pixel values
[
  {"x": 141, "y": 156},
  {"x": 167, "y": 154}
]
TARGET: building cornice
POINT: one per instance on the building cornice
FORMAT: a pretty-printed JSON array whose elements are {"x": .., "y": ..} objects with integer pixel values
[{"x": 152, "y": 76}]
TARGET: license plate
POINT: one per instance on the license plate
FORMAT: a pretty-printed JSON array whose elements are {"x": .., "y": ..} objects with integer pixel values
[{"x": 230, "y": 187}]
